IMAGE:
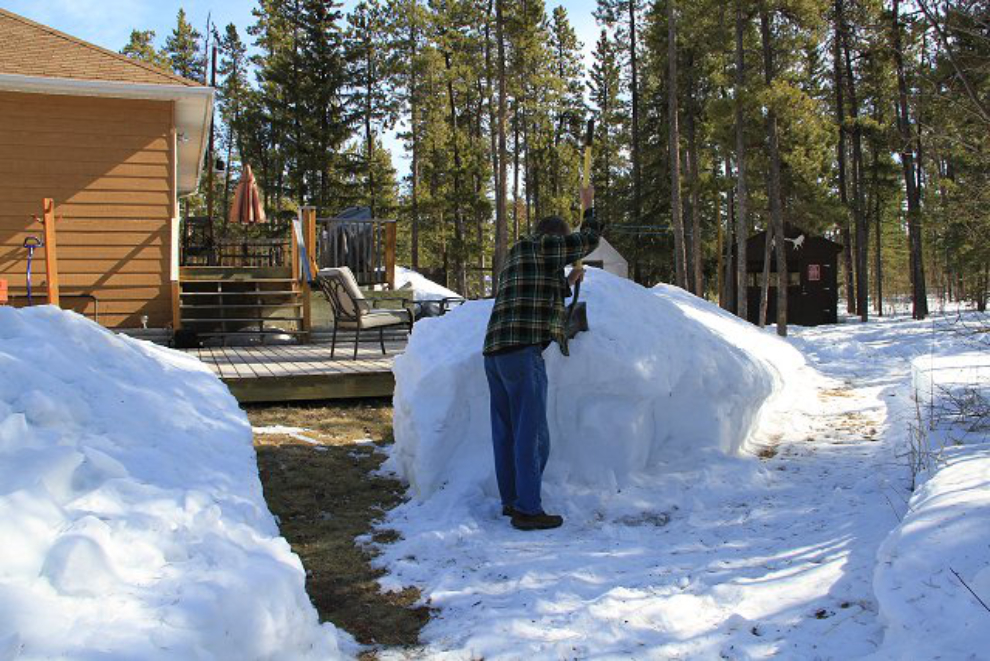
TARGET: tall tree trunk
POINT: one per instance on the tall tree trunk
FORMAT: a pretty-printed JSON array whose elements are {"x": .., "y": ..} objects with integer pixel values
[
  {"x": 501, "y": 229},
  {"x": 918, "y": 291},
  {"x": 877, "y": 212},
  {"x": 697, "y": 281},
  {"x": 776, "y": 212},
  {"x": 537, "y": 182},
  {"x": 488, "y": 95},
  {"x": 634, "y": 93},
  {"x": 730, "y": 223},
  {"x": 859, "y": 204},
  {"x": 515, "y": 171},
  {"x": 460, "y": 272},
  {"x": 414, "y": 129},
  {"x": 527, "y": 172},
  {"x": 878, "y": 258},
  {"x": 840, "y": 118},
  {"x": 761, "y": 320},
  {"x": 742, "y": 231},
  {"x": 720, "y": 235},
  {"x": 479, "y": 214},
  {"x": 680, "y": 255}
]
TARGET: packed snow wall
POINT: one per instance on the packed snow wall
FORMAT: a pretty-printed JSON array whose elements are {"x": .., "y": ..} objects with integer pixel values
[
  {"x": 651, "y": 385},
  {"x": 132, "y": 520}
]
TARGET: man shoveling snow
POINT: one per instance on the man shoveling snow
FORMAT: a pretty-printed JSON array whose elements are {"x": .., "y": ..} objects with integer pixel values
[{"x": 528, "y": 316}]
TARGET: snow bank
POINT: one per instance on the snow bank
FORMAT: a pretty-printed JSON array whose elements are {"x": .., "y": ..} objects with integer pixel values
[
  {"x": 652, "y": 384},
  {"x": 928, "y": 610},
  {"x": 423, "y": 288},
  {"x": 131, "y": 513}
]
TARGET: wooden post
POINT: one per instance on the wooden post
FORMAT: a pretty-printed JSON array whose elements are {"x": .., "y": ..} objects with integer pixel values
[
  {"x": 176, "y": 294},
  {"x": 309, "y": 227},
  {"x": 390, "y": 232},
  {"x": 51, "y": 251},
  {"x": 309, "y": 241},
  {"x": 294, "y": 253}
]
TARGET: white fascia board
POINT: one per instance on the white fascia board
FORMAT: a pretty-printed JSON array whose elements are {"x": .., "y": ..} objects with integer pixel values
[{"x": 193, "y": 105}]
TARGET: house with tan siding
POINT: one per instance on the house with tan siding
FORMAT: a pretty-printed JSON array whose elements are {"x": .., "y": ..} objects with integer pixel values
[{"x": 115, "y": 142}]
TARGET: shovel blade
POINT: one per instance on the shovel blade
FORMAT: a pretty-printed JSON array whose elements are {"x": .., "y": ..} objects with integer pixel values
[{"x": 577, "y": 319}]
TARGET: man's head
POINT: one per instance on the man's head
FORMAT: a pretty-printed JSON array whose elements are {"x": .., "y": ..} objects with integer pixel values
[{"x": 554, "y": 225}]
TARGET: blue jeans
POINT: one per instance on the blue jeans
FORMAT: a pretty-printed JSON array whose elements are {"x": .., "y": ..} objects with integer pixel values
[{"x": 517, "y": 383}]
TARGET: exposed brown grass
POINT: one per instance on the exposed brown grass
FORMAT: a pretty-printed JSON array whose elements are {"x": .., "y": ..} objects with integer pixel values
[{"x": 325, "y": 497}]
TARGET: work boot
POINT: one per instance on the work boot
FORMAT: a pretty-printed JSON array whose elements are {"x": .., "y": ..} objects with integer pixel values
[
  {"x": 508, "y": 510},
  {"x": 541, "y": 521}
]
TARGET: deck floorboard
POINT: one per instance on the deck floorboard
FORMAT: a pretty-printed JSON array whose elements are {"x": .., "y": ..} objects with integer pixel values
[{"x": 281, "y": 373}]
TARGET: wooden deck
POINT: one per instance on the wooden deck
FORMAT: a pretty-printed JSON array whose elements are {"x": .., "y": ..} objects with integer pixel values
[{"x": 282, "y": 373}]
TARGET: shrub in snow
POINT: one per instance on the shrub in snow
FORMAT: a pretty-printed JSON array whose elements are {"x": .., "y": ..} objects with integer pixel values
[
  {"x": 132, "y": 520},
  {"x": 662, "y": 377}
]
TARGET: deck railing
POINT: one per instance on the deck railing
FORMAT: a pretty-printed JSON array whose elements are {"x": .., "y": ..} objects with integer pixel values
[
  {"x": 200, "y": 249},
  {"x": 367, "y": 247}
]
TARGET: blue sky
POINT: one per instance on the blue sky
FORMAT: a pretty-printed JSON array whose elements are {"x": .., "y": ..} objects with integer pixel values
[{"x": 108, "y": 23}]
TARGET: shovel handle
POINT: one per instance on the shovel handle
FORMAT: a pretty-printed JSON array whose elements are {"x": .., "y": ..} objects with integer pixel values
[{"x": 589, "y": 137}]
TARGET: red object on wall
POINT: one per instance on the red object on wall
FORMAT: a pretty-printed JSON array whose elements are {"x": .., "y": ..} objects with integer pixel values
[
  {"x": 3, "y": 292},
  {"x": 814, "y": 272}
]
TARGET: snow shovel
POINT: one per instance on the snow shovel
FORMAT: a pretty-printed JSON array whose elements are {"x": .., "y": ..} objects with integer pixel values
[
  {"x": 31, "y": 244},
  {"x": 576, "y": 319}
]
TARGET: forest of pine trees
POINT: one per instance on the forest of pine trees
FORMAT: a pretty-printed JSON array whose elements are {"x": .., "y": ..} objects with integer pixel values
[{"x": 867, "y": 121}]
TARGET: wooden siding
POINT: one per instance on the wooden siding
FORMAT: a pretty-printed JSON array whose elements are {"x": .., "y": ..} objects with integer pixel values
[{"x": 107, "y": 164}]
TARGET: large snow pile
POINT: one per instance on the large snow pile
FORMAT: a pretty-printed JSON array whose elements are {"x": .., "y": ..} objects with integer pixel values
[
  {"x": 931, "y": 565},
  {"x": 652, "y": 384},
  {"x": 132, "y": 521},
  {"x": 423, "y": 288}
]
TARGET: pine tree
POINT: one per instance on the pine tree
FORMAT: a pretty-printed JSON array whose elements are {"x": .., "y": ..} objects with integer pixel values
[
  {"x": 609, "y": 109},
  {"x": 371, "y": 72},
  {"x": 142, "y": 47},
  {"x": 183, "y": 48},
  {"x": 232, "y": 99}
]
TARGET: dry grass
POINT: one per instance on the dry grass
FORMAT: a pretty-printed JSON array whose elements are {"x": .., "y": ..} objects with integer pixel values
[{"x": 324, "y": 497}]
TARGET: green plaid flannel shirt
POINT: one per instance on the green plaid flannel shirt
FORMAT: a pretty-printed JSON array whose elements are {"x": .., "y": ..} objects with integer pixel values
[{"x": 529, "y": 304}]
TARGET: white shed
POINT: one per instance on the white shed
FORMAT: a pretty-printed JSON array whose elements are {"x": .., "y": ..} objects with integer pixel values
[{"x": 607, "y": 258}]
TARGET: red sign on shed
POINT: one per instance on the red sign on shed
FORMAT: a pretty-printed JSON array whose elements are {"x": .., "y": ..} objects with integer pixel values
[{"x": 814, "y": 272}]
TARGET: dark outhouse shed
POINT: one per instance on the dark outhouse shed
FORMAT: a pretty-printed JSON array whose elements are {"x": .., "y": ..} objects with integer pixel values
[{"x": 812, "y": 276}]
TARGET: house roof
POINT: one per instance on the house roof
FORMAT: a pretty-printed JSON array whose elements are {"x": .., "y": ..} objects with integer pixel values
[
  {"x": 37, "y": 59},
  {"x": 32, "y": 49}
]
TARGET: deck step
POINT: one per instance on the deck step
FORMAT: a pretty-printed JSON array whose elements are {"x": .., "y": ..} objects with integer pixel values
[
  {"x": 237, "y": 280},
  {"x": 241, "y": 306},
  {"x": 236, "y": 320},
  {"x": 218, "y": 303},
  {"x": 257, "y": 292},
  {"x": 267, "y": 331}
]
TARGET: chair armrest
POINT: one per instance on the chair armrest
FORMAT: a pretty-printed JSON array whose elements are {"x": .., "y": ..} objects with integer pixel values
[
  {"x": 410, "y": 306},
  {"x": 375, "y": 301}
]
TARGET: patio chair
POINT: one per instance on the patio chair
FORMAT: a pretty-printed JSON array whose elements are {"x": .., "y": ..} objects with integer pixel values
[{"x": 352, "y": 311}]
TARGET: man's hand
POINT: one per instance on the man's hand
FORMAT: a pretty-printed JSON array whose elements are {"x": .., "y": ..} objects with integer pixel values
[
  {"x": 575, "y": 276},
  {"x": 587, "y": 197}
]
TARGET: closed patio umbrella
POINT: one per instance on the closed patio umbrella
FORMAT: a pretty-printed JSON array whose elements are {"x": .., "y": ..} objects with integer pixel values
[{"x": 246, "y": 207}]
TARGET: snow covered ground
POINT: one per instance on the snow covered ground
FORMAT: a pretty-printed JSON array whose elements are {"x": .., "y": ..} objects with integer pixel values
[
  {"x": 769, "y": 551},
  {"x": 133, "y": 526},
  {"x": 132, "y": 520}
]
